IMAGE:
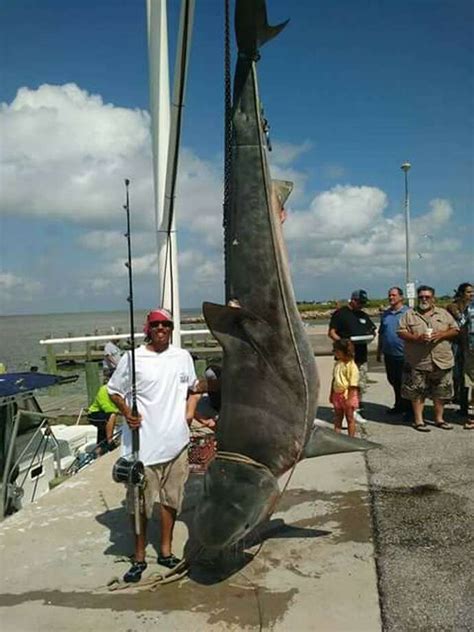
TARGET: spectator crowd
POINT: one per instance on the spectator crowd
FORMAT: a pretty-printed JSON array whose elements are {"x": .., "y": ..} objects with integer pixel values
[{"x": 428, "y": 352}]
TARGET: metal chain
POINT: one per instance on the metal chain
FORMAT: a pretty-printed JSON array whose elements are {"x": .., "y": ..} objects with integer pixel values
[{"x": 227, "y": 143}]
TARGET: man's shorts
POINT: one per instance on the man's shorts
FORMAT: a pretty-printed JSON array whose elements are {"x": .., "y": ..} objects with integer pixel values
[
  {"x": 436, "y": 384},
  {"x": 363, "y": 368},
  {"x": 164, "y": 481}
]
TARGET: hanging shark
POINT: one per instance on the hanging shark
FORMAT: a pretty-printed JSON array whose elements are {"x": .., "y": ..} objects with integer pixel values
[{"x": 269, "y": 381}]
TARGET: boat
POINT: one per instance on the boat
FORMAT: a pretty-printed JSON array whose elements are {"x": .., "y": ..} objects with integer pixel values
[{"x": 35, "y": 453}]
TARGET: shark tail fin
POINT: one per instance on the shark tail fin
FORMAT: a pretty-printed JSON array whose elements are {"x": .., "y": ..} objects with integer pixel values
[
  {"x": 265, "y": 32},
  {"x": 324, "y": 441},
  {"x": 251, "y": 25}
]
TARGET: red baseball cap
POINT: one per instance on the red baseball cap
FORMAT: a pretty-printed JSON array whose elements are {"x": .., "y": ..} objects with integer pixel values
[{"x": 160, "y": 315}]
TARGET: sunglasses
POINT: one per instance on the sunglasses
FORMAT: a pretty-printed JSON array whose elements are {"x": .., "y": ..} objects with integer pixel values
[
  {"x": 424, "y": 296},
  {"x": 161, "y": 323}
]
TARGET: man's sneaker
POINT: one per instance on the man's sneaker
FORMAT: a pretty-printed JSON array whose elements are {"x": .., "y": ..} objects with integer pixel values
[
  {"x": 359, "y": 419},
  {"x": 134, "y": 574},
  {"x": 170, "y": 561}
]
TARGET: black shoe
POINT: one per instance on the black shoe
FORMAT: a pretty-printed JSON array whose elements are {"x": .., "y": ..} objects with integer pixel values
[
  {"x": 170, "y": 561},
  {"x": 134, "y": 574}
]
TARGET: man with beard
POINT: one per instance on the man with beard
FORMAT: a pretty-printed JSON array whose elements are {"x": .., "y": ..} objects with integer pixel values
[{"x": 427, "y": 331}]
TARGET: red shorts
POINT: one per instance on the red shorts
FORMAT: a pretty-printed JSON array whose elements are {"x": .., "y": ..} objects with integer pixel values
[{"x": 341, "y": 403}]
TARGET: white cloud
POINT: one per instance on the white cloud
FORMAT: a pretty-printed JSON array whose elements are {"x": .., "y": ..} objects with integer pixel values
[
  {"x": 333, "y": 171},
  {"x": 284, "y": 154},
  {"x": 65, "y": 154},
  {"x": 143, "y": 265},
  {"x": 112, "y": 241},
  {"x": 339, "y": 213},
  {"x": 17, "y": 290},
  {"x": 344, "y": 234}
]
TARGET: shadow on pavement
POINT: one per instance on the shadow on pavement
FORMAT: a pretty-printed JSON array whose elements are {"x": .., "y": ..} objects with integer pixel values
[
  {"x": 378, "y": 413},
  {"x": 206, "y": 567}
]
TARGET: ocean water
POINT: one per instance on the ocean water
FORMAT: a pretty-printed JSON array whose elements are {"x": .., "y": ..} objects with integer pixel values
[{"x": 20, "y": 335}]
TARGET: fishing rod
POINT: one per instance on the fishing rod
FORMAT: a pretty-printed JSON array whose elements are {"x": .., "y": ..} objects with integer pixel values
[{"x": 132, "y": 473}]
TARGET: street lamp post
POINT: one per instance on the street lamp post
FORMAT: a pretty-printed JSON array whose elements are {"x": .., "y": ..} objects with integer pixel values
[{"x": 410, "y": 290}]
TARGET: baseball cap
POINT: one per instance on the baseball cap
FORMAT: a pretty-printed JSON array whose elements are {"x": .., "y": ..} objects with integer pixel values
[
  {"x": 159, "y": 315},
  {"x": 360, "y": 295}
]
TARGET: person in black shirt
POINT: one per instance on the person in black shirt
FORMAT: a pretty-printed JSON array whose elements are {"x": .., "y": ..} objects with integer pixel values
[{"x": 353, "y": 323}]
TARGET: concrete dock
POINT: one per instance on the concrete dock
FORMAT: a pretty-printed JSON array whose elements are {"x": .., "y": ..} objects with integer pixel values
[{"x": 345, "y": 550}]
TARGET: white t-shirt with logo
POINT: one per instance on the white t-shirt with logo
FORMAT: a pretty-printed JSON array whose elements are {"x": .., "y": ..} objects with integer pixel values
[{"x": 162, "y": 383}]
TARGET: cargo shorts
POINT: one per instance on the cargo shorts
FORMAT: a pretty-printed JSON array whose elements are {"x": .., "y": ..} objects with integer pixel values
[
  {"x": 164, "y": 481},
  {"x": 435, "y": 384}
]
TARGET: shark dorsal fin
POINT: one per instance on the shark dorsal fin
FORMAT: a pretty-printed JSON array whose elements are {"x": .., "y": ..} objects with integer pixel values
[{"x": 282, "y": 189}]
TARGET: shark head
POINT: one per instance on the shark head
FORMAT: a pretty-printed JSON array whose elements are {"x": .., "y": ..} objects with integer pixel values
[{"x": 236, "y": 498}]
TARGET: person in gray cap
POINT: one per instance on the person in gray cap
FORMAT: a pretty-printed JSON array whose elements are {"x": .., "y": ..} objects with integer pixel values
[{"x": 351, "y": 322}]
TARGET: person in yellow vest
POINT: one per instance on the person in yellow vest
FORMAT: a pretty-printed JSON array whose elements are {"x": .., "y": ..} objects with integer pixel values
[{"x": 102, "y": 414}]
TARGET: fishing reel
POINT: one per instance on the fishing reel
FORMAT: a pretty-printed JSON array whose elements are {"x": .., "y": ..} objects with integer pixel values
[{"x": 128, "y": 472}]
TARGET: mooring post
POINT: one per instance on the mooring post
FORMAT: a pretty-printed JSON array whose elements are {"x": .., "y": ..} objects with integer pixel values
[
  {"x": 93, "y": 381},
  {"x": 88, "y": 352},
  {"x": 51, "y": 364},
  {"x": 200, "y": 367}
]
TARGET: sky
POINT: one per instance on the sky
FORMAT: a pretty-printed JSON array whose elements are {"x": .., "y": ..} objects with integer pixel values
[{"x": 352, "y": 89}]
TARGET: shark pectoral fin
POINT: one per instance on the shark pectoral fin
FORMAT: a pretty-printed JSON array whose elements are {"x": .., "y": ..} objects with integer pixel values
[
  {"x": 225, "y": 322},
  {"x": 230, "y": 325},
  {"x": 324, "y": 441}
]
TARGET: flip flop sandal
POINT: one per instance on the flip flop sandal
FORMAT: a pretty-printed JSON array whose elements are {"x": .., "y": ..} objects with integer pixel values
[
  {"x": 134, "y": 574},
  {"x": 170, "y": 561},
  {"x": 421, "y": 427},
  {"x": 444, "y": 426}
]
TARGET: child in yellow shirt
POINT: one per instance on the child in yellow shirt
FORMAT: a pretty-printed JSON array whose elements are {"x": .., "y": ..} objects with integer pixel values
[{"x": 344, "y": 387}]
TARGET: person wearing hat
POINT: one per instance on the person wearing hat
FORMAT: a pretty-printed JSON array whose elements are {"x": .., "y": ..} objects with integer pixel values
[
  {"x": 165, "y": 378},
  {"x": 352, "y": 323}
]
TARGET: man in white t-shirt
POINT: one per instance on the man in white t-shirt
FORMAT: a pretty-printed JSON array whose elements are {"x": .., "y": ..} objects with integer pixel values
[{"x": 164, "y": 378}]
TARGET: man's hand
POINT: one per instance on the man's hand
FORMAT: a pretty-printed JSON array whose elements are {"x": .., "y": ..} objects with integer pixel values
[
  {"x": 133, "y": 422},
  {"x": 447, "y": 334}
]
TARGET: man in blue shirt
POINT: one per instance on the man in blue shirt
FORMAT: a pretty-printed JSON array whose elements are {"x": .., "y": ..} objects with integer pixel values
[{"x": 391, "y": 346}]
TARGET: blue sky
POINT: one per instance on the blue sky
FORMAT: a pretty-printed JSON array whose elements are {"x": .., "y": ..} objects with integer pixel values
[{"x": 351, "y": 89}]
